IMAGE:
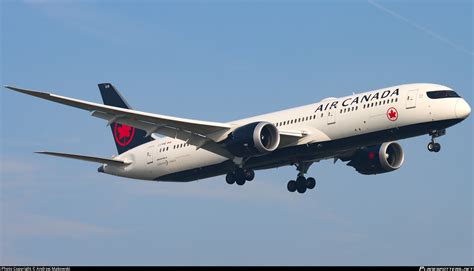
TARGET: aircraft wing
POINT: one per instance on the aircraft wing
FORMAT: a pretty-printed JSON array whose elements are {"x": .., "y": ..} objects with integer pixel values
[
  {"x": 202, "y": 134},
  {"x": 86, "y": 158}
]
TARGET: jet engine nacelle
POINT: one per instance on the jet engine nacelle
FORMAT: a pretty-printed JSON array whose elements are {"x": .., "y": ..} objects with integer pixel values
[
  {"x": 378, "y": 159},
  {"x": 253, "y": 139}
]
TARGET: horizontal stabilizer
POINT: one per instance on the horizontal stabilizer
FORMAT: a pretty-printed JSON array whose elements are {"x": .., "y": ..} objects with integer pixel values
[{"x": 86, "y": 158}]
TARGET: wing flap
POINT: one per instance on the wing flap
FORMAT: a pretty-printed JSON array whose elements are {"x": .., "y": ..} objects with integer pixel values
[{"x": 293, "y": 137}]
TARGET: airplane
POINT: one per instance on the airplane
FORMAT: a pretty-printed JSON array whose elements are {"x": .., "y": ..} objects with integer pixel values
[{"x": 360, "y": 129}]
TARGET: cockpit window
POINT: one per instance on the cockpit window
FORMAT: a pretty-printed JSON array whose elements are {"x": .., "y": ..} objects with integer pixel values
[{"x": 439, "y": 94}]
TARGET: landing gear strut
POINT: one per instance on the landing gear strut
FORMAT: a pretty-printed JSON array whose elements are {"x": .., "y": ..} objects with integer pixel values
[
  {"x": 240, "y": 176},
  {"x": 302, "y": 184},
  {"x": 433, "y": 146}
]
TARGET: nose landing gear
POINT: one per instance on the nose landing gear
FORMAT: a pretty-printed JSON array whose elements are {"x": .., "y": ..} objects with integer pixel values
[{"x": 433, "y": 146}]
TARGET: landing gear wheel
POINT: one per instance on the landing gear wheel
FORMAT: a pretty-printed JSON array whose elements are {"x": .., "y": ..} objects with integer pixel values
[
  {"x": 301, "y": 187},
  {"x": 431, "y": 146},
  {"x": 301, "y": 179},
  {"x": 301, "y": 184},
  {"x": 249, "y": 175},
  {"x": 230, "y": 178},
  {"x": 291, "y": 186},
  {"x": 239, "y": 177},
  {"x": 240, "y": 181},
  {"x": 310, "y": 183},
  {"x": 436, "y": 147}
]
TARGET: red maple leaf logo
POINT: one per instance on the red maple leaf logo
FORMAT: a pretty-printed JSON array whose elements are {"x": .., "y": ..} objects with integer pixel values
[
  {"x": 392, "y": 114},
  {"x": 124, "y": 131},
  {"x": 123, "y": 134}
]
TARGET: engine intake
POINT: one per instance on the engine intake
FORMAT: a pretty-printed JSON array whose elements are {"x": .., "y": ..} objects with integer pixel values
[
  {"x": 253, "y": 139},
  {"x": 378, "y": 159}
]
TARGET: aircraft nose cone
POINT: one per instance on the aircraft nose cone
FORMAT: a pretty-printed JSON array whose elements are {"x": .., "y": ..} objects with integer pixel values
[{"x": 463, "y": 110}]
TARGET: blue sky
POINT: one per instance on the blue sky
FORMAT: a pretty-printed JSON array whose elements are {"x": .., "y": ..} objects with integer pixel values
[{"x": 219, "y": 61}]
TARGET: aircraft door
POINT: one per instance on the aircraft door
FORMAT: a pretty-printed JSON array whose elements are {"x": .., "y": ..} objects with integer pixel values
[
  {"x": 149, "y": 156},
  {"x": 411, "y": 98},
  {"x": 332, "y": 116}
]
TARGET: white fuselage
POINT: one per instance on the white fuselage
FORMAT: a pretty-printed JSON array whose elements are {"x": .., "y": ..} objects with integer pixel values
[{"x": 328, "y": 120}]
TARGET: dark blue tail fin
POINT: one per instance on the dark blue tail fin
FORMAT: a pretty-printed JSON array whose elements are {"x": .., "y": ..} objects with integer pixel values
[{"x": 125, "y": 137}]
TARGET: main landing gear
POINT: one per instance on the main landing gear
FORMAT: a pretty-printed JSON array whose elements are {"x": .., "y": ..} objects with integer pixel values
[
  {"x": 433, "y": 146},
  {"x": 302, "y": 184},
  {"x": 240, "y": 176}
]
